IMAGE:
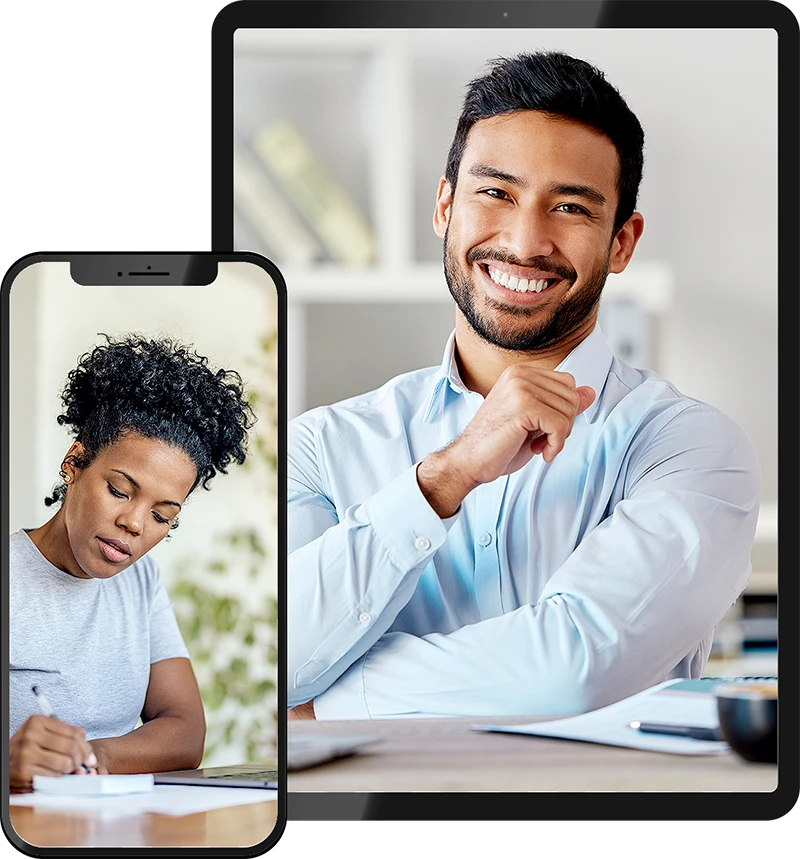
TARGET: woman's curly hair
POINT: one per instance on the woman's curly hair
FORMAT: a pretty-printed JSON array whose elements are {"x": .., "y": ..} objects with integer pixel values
[{"x": 160, "y": 389}]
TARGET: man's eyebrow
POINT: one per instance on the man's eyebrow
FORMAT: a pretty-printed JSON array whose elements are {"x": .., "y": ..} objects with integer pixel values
[
  {"x": 128, "y": 477},
  {"x": 585, "y": 191},
  {"x": 487, "y": 171}
]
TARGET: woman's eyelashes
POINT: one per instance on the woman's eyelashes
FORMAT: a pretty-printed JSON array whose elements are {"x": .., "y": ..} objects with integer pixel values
[
  {"x": 115, "y": 492},
  {"x": 162, "y": 520}
]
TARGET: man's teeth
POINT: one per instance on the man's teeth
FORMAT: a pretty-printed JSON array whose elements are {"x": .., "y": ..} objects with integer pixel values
[{"x": 518, "y": 284}]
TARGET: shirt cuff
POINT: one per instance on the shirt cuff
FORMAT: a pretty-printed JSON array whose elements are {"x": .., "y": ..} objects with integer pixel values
[
  {"x": 346, "y": 698},
  {"x": 404, "y": 521}
]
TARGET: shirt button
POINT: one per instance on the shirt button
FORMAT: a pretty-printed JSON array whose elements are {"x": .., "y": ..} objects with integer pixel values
[
  {"x": 485, "y": 539},
  {"x": 422, "y": 543},
  {"x": 364, "y": 617}
]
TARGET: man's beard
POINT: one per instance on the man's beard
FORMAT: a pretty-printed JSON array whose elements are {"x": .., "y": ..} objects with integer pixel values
[{"x": 540, "y": 334}]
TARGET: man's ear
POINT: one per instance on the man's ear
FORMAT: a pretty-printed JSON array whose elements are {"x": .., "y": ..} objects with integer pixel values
[
  {"x": 625, "y": 242},
  {"x": 441, "y": 214}
]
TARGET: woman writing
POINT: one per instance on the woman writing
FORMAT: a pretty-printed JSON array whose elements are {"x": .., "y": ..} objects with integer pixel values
[{"x": 90, "y": 622}]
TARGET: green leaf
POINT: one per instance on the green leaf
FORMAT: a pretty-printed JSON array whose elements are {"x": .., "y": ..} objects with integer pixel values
[{"x": 238, "y": 666}]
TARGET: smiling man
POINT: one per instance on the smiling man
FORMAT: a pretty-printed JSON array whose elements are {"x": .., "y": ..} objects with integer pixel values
[{"x": 533, "y": 527}]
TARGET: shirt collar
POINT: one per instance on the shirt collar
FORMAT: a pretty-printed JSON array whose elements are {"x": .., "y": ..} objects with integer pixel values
[
  {"x": 589, "y": 362},
  {"x": 447, "y": 374}
]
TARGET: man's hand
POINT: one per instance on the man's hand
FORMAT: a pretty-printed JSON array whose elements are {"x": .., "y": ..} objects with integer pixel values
[
  {"x": 528, "y": 411},
  {"x": 47, "y": 746},
  {"x": 302, "y": 711}
]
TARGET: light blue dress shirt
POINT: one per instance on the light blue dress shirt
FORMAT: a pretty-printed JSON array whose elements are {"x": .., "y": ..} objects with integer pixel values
[{"x": 558, "y": 589}]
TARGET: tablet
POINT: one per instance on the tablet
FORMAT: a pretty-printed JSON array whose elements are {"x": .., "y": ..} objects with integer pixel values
[{"x": 350, "y": 109}]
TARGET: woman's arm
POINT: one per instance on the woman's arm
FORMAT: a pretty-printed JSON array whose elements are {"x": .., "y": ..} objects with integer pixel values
[{"x": 174, "y": 729}]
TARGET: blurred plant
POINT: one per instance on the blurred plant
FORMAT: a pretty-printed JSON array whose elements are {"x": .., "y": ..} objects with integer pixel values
[{"x": 232, "y": 639}]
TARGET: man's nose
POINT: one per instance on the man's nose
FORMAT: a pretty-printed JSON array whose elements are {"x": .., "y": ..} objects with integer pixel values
[{"x": 528, "y": 233}]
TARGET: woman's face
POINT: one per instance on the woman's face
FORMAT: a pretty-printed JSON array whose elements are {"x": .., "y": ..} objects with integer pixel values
[{"x": 123, "y": 503}]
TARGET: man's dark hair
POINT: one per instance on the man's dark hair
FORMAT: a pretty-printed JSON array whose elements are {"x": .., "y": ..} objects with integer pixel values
[{"x": 560, "y": 86}]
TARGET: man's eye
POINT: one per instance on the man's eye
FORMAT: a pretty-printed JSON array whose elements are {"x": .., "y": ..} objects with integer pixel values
[
  {"x": 115, "y": 492},
  {"x": 572, "y": 209},
  {"x": 496, "y": 193}
]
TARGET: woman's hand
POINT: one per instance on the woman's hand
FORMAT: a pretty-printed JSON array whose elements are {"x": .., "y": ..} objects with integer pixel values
[{"x": 44, "y": 745}]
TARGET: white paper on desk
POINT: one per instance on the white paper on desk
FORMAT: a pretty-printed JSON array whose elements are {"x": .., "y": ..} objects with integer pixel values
[
  {"x": 611, "y": 725},
  {"x": 172, "y": 799}
]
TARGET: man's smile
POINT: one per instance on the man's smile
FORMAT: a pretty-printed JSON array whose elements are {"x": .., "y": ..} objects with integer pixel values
[
  {"x": 506, "y": 284},
  {"x": 519, "y": 279}
]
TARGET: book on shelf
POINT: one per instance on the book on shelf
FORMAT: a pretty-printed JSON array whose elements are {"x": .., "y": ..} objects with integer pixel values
[
  {"x": 282, "y": 233},
  {"x": 338, "y": 223}
]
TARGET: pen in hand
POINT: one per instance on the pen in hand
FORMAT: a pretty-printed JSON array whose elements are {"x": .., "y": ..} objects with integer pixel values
[
  {"x": 47, "y": 710},
  {"x": 693, "y": 732}
]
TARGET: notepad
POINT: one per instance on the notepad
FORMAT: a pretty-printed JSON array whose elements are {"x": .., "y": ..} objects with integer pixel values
[{"x": 94, "y": 785}]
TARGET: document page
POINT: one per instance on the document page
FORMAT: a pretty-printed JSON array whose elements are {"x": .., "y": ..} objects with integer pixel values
[{"x": 611, "y": 725}]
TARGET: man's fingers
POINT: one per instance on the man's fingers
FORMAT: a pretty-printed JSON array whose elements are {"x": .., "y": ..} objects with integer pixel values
[
  {"x": 587, "y": 395},
  {"x": 556, "y": 389},
  {"x": 557, "y": 427}
]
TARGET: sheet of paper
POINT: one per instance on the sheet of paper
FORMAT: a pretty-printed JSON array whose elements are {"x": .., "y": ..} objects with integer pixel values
[
  {"x": 169, "y": 799},
  {"x": 611, "y": 725}
]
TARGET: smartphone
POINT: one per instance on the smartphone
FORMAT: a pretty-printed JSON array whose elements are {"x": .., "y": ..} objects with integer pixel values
[{"x": 143, "y": 561}]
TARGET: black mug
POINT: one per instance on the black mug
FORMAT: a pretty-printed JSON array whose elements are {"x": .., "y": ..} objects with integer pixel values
[{"x": 748, "y": 717}]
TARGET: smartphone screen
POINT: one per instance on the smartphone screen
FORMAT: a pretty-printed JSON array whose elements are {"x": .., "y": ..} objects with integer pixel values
[{"x": 142, "y": 446}]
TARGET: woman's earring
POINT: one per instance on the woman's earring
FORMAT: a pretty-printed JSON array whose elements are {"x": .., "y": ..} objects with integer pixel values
[{"x": 64, "y": 476}]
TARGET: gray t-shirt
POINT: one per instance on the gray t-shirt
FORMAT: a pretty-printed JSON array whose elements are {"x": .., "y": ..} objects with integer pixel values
[{"x": 87, "y": 643}]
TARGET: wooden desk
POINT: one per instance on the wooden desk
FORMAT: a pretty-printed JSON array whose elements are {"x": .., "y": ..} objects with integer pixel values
[
  {"x": 445, "y": 755},
  {"x": 238, "y": 826}
]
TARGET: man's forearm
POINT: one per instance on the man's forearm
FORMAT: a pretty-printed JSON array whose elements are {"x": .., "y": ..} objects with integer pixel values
[{"x": 162, "y": 744}]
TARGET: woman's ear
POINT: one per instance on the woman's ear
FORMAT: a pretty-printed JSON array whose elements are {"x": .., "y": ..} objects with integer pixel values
[{"x": 69, "y": 470}]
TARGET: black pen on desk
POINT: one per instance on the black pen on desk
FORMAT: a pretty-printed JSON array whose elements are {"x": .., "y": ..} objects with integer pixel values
[
  {"x": 47, "y": 710},
  {"x": 693, "y": 732}
]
